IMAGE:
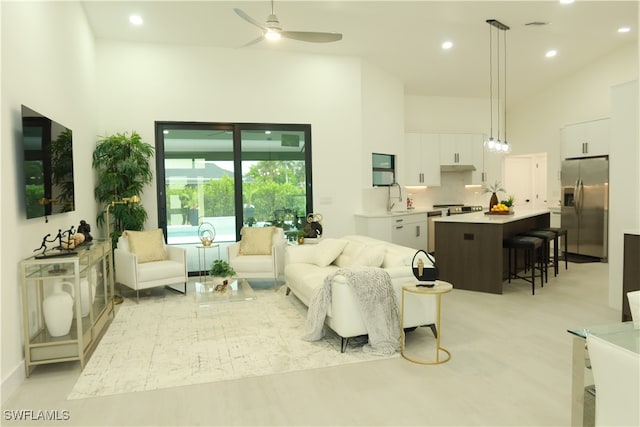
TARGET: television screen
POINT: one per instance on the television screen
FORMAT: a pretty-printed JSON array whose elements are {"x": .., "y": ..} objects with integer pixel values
[{"x": 48, "y": 165}]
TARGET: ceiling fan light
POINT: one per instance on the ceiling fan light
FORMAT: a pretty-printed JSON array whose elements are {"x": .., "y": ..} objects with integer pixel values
[{"x": 272, "y": 35}]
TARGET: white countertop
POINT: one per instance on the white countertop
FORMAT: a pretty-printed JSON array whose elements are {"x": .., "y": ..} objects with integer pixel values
[
  {"x": 393, "y": 214},
  {"x": 481, "y": 218},
  {"x": 634, "y": 232}
]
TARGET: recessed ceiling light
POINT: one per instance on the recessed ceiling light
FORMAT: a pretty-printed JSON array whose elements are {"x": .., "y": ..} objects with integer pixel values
[
  {"x": 447, "y": 45},
  {"x": 624, "y": 29},
  {"x": 551, "y": 53},
  {"x": 136, "y": 20},
  {"x": 566, "y": 1}
]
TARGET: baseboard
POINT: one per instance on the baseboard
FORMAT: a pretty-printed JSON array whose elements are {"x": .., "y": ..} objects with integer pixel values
[{"x": 14, "y": 380}]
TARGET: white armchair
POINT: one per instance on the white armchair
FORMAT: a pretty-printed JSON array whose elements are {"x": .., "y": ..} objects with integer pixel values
[
  {"x": 259, "y": 253},
  {"x": 143, "y": 260}
]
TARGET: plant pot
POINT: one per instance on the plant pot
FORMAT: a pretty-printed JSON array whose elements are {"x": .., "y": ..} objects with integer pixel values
[{"x": 494, "y": 201}]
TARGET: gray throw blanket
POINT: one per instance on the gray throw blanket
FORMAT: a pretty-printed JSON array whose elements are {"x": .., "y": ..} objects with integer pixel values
[{"x": 377, "y": 303}]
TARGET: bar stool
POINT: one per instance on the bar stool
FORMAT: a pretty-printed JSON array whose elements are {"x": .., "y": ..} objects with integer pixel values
[
  {"x": 547, "y": 236},
  {"x": 560, "y": 232},
  {"x": 533, "y": 251}
]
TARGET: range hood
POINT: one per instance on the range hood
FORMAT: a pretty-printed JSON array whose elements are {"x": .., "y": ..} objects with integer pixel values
[{"x": 457, "y": 168}]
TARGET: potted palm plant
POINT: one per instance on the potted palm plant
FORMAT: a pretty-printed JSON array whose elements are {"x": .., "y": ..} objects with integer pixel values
[{"x": 122, "y": 163}]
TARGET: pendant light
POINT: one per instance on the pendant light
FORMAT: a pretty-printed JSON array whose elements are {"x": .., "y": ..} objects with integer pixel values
[{"x": 498, "y": 145}]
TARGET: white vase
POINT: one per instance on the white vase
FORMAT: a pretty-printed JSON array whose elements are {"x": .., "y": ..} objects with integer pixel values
[
  {"x": 88, "y": 297},
  {"x": 58, "y": 309}
]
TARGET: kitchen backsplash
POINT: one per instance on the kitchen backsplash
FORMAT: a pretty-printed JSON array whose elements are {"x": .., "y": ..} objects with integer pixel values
[{"x": 452, "y": 190}]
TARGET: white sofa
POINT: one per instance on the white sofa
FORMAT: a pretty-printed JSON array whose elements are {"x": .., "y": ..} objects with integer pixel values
[{"x": 306, "y": 267}]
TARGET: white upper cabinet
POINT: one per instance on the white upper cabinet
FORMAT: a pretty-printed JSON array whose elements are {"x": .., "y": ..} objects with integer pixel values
[
  {"x": 464, "y": 149},
  {"x": 586, "y": 139},
  {"x": 456, "y": 149},
  {"x": 422, "y": 159}
]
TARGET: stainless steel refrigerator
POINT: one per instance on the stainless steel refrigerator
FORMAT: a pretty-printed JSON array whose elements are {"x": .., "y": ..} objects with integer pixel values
[{"x": 585, "y": 205}]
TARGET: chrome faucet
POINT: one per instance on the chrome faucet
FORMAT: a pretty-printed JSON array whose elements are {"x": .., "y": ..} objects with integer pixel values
[{"x": 389, "y": 204}]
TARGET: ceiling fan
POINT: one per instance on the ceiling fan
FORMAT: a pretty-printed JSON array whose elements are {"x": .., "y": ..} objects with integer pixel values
[{"x": 272, "y": 30}]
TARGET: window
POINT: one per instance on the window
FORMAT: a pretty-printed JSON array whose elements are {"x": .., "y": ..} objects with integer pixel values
[{"x": 230, "y": 176}]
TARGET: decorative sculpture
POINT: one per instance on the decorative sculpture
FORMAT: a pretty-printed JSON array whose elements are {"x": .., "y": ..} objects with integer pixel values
[{"x": 313, "y": 228}]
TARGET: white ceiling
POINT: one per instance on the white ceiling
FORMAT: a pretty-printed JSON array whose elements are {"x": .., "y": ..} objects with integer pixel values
[{"x": 401, "y": 37}]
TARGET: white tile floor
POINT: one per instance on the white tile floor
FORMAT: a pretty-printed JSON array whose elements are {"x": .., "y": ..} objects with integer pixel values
[{"x": 510, "y": 365}]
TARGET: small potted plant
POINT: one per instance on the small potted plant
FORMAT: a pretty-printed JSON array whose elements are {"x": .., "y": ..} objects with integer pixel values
[
  {"x": 509, "y": 202},
  {"x": 221, "y": 271},
  {"x": 301, "y": 234}
]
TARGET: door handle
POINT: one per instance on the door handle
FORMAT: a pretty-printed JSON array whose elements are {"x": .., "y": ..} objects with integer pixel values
[
  {"x": 417, "y": 231},
  {"x": 398, "y": 227},
  {"x": 576, "y": 196}
]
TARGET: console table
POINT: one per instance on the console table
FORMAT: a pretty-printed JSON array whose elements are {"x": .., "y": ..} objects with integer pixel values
[{"x": 92, "y": 303}]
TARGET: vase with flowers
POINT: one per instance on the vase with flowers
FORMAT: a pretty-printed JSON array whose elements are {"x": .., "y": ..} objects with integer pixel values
[{"x": 494, "y": 189}]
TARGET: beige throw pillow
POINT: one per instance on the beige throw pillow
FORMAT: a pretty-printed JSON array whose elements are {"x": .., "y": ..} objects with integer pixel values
[
  {"x": 147, "y": 245},
  {"x": 256, "y": 240}
]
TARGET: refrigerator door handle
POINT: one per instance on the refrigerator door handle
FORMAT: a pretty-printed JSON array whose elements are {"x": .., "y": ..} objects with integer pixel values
[
  {"x": 580, "y": 208},
  {"x": 576, "y": 196}
]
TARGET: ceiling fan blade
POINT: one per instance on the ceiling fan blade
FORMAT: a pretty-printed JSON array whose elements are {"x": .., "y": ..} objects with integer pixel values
[
  {"x": 252, "y": 42},
  {"x": 249, "y": 19},
  {"x": 310, "y": 36}
]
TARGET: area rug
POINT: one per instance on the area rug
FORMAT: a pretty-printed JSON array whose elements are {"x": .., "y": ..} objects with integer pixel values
[{"x": 171, "y": 340}]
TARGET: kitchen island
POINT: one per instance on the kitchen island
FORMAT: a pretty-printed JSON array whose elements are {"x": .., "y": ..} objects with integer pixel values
[{"x": 469, "y": 250}]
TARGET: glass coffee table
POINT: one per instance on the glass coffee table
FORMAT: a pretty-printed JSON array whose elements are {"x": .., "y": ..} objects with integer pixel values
[{"x": 237, "y": 290}]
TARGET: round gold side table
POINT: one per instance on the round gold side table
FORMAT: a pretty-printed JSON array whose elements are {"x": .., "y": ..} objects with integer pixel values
[{"x": 440, "y": 288}]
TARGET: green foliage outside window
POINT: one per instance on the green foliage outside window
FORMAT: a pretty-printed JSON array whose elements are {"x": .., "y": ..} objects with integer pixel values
[{"x": 273, "y": 190}]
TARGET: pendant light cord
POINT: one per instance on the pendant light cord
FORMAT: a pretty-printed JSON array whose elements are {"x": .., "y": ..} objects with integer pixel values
[
  {"x": 491, "y": 80},
  {"x": 505, "y": 86}
]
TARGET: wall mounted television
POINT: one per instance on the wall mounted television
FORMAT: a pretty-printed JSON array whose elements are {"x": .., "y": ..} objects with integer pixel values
[{"x": 48, "y": 165}]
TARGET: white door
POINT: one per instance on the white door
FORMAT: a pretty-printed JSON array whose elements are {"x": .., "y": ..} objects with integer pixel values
[{"x": 525, "y": 176}]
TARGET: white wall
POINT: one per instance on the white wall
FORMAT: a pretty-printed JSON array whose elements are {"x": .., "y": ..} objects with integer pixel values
[
  {"x": 624, "y": 181},
  {"x": 47, "y": 64},
  {"x": 534, "y": 126},
  {"x": 185, "y": 83}
]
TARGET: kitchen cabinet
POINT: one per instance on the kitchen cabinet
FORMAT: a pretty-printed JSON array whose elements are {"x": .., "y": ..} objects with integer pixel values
[
  {"x": 464, "y": 149},
  {"x": 87, "y": 279},
  {"x": 422, "y": 164},
  {"x": 586, "y": 139},
  {"x": 410, "y": 230},
  {"x": 456, "y": 149}
]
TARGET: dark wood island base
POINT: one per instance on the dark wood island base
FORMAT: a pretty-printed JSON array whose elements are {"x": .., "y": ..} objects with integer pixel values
[{"x": 469, "y": 247}]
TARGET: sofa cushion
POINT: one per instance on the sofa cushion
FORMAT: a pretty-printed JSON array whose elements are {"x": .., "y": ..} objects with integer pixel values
[
  {"x": 147, "y": 245},
  {"x": 327, "y": 251},
  {"x": 256, "y": 240},
  {"x": 370, "y": 256},
  {"x": 348, "y": 254}
]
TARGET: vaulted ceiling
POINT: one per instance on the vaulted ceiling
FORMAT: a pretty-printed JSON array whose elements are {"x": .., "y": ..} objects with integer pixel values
[{"x": 402, "y": 37}]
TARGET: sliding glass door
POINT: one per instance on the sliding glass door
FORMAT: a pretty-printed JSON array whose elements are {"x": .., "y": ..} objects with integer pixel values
[{"x": 226, "y": 176}]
